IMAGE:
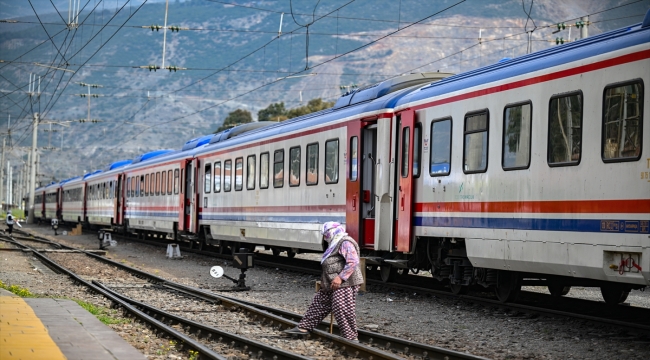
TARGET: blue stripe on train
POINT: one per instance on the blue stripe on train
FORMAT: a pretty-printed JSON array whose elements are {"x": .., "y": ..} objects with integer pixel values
[
  {"x": 276, "y": 218},
  {"x": 577, "y": 225},
  {"x": 151, "y": 213}
]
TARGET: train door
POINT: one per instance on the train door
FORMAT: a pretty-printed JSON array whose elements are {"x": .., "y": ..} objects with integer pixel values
[
  {"x": 190, "y": 198},
  {"x": 119, "y": 202},
  {"x": 404, "y": 180},
  {"x": 368, "y": 180}
]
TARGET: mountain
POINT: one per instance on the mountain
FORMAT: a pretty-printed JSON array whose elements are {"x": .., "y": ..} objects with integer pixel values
[{"x": 233, "y": 59}]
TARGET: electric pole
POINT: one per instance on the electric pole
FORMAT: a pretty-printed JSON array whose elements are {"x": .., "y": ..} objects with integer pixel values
[
  {"x": 32, "y": 175},
  {"x": 89, "y": 95},
  {"x": 164, "y": 28}
]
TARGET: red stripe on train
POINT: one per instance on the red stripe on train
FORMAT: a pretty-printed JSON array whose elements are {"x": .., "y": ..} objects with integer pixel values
[{"x": 641, "y": 206}]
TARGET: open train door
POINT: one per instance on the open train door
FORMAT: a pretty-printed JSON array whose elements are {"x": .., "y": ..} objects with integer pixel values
[
  {"x": 189, "y": 222},
  {"x": 404, "y": 174}
]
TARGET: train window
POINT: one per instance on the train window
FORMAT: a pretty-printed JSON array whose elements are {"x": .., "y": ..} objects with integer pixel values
[
  {"x": 476, "y": 142},
  {"x": 517, "y": 127},
  {"x": 278, "y": 168},
  {"x": 111, "y": 190},
  {"x": 227, "y": 175},
  {"x": 142, "y": 185},
  {"x": 406, "y": 145},
  {"x": 137, "y": 186},
  {"x": 622, "y": 121},
  {"x": 312, "y": 164},
  {"x": 133, "y": 182},
  {"x": 170, "y": 182},
  {"x": 163, "y": 183},
  {"x": 332, "y": 161},
  {"x": 565, "y": 129},
  {"x": 264, "y": 170},
  {"x": 417, "y": 149},
  {"x": 440, "y": 153},
  {"x": 176, "y": 171},
  {"x": 294, "y": 166},
  {"x": 239, "y": 174},
  {"x": 250, "y": 172},
  {"x": 217, "y": 176},
  {"x": 145, "y": 188},
  {"x": 354, "y": 158},
  {"x": 157, "y": 182},
  {"x": 152, "y": 184},
  {"x": 207, "y": 181},
  {"x": 128, "y": 187}
]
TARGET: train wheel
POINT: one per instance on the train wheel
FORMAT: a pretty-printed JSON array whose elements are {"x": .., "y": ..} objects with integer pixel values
[
  {"x": 276, "y": 251},
  {"x": 291, "y": 254},
  {"x": 508, "y": 286},
  {"x": 558, "y": 290},
  {"x": 458, "y": 289},
  {"x": 387, "y": 273},
  {"x": 614, "y": 294}
]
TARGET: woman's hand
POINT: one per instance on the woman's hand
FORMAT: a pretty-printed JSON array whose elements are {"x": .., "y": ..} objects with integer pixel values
[{"x": 336, "y": 283}]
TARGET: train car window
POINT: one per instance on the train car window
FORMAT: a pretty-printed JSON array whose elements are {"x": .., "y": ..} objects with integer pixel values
[
  {"x": 239, "y": 174},
  {"x": 565, "y": 129},
  {"x": 622, "y": 122},
  {"x": 278, "y": 168},
  {"x": 517, "y": 128},
  {"x": 250, "y": 172},
  {"x": 163, "y": 183},
  {"x": 294, "y": 166},
  {"x": 332, "y": 161},
  {"x": 476, "y": 142},
  {"x": 170, "y": 182},
  {"x": 176, "y": 171},
  {"x": 264, "y": 170},
  {"x": 417, "y": 150},
  {"x": 207, "y": 181},
  {"x": 137, "y": 186},
  {"x": 145, "y": 188},
  {"x": 142, "y": 185},
  {"x": 111, "y": 189},
  {"x": 158, "y": 183},
  {"x": 128, "y": 187},
  {"x": 227, "y": 175},
  {"x": 152, "y": 184},
  {"x": 354, "y": 158},
  {"x": 133, "y": 182},
  {"x": 311, "y": 170},
  {"x": 406, "y": 146},
  {"x": 217, "y": 176}
]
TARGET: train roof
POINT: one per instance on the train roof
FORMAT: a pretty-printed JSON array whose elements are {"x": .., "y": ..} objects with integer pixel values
[
  {"x": 239, "y": 129},
  {"x": 118, "y": 164},
  {"x": 196, "y": 142},
  {"x": 151, "y": 155},
  {"x": 91, "y": 174},
  {"x": 559, "y": 55}
]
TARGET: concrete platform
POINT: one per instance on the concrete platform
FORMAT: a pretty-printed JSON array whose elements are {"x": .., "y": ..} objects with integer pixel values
[{"x": 56, "y": 329}]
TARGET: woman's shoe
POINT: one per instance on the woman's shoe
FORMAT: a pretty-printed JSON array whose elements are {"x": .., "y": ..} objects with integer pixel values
[{"x": 297, "y": 331}]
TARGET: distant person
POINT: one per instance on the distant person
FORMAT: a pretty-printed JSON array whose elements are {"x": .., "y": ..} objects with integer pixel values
[
  {"x": 340, "y": 283},
  {"x": 10, "y": 223}
]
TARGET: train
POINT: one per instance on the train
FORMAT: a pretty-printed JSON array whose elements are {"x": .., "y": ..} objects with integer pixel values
[{"x": 529, "y": 171}]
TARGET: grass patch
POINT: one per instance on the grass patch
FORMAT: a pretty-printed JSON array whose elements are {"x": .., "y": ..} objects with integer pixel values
[
  {"x": 18, "y": 290},
  {"x": 105, "y": 315}
]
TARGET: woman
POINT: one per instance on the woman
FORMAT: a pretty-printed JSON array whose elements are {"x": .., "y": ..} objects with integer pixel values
[{"x": 340, "y": 283}]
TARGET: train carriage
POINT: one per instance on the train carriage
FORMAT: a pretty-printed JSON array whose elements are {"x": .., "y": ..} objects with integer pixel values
[
  {"x": 51, "y": 201},
  {"x": 153, "y": 195},
  {"x": 72, "y": 202},
  {"x": 275, "y": 186},
  {"x": 39, "y": 204},
  {"x": 533, "y": 170}
]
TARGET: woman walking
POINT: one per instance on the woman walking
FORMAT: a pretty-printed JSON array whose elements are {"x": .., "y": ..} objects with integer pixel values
[{"x": 340, "y": 283}]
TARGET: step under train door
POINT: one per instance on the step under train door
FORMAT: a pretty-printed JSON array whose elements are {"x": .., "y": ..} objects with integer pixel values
[{"x": 404, "y": 180}]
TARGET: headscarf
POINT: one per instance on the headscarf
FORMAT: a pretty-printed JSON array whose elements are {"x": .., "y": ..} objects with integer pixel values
[{"x": 332, "y": 233}]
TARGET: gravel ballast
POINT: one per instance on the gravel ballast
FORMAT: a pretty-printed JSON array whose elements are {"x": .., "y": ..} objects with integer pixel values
[{"x": 455, "y": 324}]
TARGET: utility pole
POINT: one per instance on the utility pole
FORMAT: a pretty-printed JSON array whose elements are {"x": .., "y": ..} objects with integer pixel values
[
  {"x": 89, "y": 95},
  {"x": 10, "y": 179},
  {"x": 164, "y": 28},
  {"x": 32, "y": 175},
  {"x": 2, "y": 161},
  {"x": 583, "y": 27}
]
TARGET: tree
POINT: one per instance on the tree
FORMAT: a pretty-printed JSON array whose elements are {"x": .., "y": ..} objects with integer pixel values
[
  {"x": 274, "y": 112},
  {"x": 312, "y": 106},
  {"x": 235, "y": 118}
]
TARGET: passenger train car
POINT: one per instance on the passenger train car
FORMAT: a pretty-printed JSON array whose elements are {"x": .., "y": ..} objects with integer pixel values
[{"x": 528, "y": 171}]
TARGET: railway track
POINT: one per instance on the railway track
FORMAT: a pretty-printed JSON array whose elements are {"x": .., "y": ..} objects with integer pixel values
[
  {"x": 532, "y": 303},
  {"x": 202, "y": 335}
]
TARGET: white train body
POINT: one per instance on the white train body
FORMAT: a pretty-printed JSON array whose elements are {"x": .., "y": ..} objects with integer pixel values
[{"x": 73, "y": 200}]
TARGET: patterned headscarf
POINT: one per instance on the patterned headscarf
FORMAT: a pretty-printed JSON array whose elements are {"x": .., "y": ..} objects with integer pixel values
[{"x": 332, "y": 233}]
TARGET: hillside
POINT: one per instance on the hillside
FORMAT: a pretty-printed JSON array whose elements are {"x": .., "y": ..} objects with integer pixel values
[{"x": 142, "y": 110}]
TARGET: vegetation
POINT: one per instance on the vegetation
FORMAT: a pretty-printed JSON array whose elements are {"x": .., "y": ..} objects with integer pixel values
[
  {"x": 105, "y": 315},
  {"x": 277, "y": 111},
  {"x": 235, "y": 118},
  {"x": 18, "y": 290},
  {"x": 17, "y": 213}
]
